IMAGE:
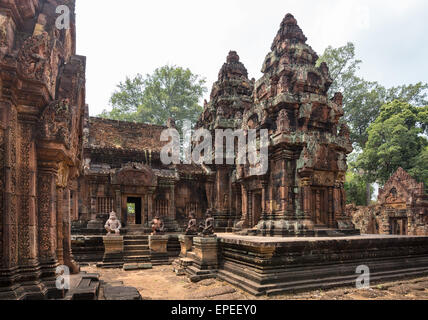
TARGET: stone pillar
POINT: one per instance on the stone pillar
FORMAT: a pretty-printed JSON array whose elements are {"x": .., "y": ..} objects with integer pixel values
[
  {"x": 119, "y": 205},
  {"x": 145, "y": 210},
  {"x": 250, "y": 209},
  {"x": 330, "y": 208},
  {"x": 264, "y": 199},
  {"x": 47, "y": 223},
  {"x": 67, "y": 254},
  {"x": 27, "y": 226},
  {"x": 337, "y": 202},
  {"x": 308, "y": 220},
  {"x": 244, "y": 198},
  {"x": 172, "y": 213},
  {"x": 150, "y": 207},
  {"x": 9, "y": 208},
  {"x": 93, "y": 195},
  {"x": 209, "y": 189},
  {"x": 59, "y": 229}
]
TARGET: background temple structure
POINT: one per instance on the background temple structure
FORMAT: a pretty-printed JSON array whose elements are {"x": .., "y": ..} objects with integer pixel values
[
  {"x": 62, "y": 173},
  {"x": 401, "y": 209}
]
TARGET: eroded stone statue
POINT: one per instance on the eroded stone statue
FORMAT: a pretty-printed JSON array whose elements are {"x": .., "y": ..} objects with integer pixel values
[
  {"x": 158, "y": 227},
  {"x": 192, "y": 228},
  {"x": 207, "y": 228},
  {"x": 113, "y": 224}
]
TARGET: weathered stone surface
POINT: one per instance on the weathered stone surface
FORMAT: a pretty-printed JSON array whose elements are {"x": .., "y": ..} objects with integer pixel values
[
  {"x": 42, "y": 103},
  {"x": 275, "y": 265},
  {"x": 401, "y": 209},
  {"x": 121, "y": 293}
]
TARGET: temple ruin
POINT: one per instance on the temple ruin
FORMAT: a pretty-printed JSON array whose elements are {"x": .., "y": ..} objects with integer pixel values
[
  {"x": 401, "y": 209},
  {"x": 63, "y": 172}
]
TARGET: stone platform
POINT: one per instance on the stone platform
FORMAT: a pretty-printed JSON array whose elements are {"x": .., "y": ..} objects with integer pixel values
[{"x": 261, "y": 265}]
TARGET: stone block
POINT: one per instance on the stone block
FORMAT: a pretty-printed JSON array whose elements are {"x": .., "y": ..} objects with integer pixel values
[
  {"x": 186, "y": 243},
  {"x": 113, "y": 244},
  {"x": 206, "y": 252},
  {"x": 158, "y": 244}
]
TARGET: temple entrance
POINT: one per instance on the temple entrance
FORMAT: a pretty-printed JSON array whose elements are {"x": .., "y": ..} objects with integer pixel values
[
  {"x": 134, "y": 213},
  {"x": 398, "y": 226},
  {"x": 320, "y": 203}
]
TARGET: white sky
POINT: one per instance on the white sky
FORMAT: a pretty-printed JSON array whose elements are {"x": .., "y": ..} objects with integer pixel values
[{"x": 126, "y": 37}]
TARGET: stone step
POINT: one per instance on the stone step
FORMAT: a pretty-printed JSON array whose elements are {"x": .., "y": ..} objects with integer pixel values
[
  {"x": 136, "y": 247},
  {"x": 135, "y": 242},
  {"x": 137, "y": 260},
  {"x": 128, "y": 253},
  {"x": 136, "y": 237}
]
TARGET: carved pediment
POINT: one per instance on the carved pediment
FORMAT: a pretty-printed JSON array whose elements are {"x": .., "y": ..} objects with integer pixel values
[{"x": 143, "y": 177}]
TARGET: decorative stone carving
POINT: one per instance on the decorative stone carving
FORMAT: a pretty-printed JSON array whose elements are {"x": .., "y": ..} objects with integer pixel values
[
  {"x": 207, "y": 228},
  {"x": 283, "y": 123},
  {"x": 192, "y": 228},
  {"x": 56, "y": 122}
]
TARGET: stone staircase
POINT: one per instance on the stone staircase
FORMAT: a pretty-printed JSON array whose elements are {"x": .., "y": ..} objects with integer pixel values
[
  {"x": 136, "y": 249},
  {"x": 136, "y": 252}
]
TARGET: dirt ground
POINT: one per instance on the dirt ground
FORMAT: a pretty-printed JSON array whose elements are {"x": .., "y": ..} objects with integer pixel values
[{"x": 161, "y": 283}]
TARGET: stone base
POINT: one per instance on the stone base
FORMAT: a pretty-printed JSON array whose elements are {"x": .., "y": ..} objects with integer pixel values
[
  {"x": 271, "y": 266},
  {"x": 87, "y": 249},
  {"x": 35, "y": 281},
  {"x": 186, "y": 243},
  {"x": 113, "y": 254},
  {"x": 272, "y": 227},
  {"x": 137, "y": 266},
  {"x": 205, "y": 252},
  {"x": 159, "y": 249}
]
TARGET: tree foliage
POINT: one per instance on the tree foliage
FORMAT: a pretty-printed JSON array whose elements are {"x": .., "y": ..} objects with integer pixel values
[
  {"x": 170, "y": 91},
  {"x": 355, "y": 187},
  {"x": 396, "y": 139},
  {"x": 363, "y": 99}
]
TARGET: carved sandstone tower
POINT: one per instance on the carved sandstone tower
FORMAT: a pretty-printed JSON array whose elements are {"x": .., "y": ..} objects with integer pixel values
[
  {"x": 42, "y": 100},
  {"x": 303, "y": 192},
  {"x": 230, "y": 97}
]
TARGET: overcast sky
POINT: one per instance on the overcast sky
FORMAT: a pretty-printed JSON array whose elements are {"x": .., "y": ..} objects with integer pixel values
[{"x": 126, "y": 37}]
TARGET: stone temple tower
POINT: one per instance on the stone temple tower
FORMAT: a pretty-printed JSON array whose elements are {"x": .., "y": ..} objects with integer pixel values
[
  {"x": 231, "y": 95},
  {"x": 302, "y": 194}
]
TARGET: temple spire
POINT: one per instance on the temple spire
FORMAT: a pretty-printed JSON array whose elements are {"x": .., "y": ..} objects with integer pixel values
[{"x": 289, "y": 30}]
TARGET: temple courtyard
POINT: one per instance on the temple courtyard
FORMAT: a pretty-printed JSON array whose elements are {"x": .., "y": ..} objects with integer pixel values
[{"x": 160, "y": 283}]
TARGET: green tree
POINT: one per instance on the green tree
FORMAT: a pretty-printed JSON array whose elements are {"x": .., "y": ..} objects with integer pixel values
[
  {"x": 355, "y": 187},
  {"x": 126, "y": 100},
  {"x": 170, "y": 91},
  {"x": 363, "y": 99},
  {"x": 420, "y": 168},
  {"x": 396, "y": 139}
]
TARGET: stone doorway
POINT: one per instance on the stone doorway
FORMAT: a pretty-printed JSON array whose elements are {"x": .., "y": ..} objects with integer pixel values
[
  {"x": 398, "y": 226},
  {"x": 134, "y": 210},
  {"x": 320, "y": 202}
]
